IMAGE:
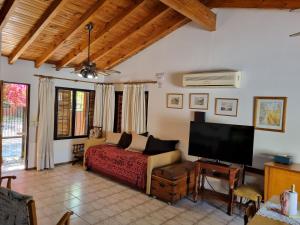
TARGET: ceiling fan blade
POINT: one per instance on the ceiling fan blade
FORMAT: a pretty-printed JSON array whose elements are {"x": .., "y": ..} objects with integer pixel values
[
  {"x": 102, "y": 73},
  {"x": 112, "y": 71},
  {"x": 295, "y": 34}
]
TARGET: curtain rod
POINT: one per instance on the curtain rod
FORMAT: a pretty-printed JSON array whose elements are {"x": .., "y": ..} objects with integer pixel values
[{"x": 91, "y": 82}]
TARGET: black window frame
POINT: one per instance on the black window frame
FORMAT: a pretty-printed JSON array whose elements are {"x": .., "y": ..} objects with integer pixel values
[{"x": 74, "y": 90}]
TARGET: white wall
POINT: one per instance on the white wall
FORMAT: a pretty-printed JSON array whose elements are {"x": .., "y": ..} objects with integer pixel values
[
  {"x": 253, "y": 41},
  {"x": 22, "y": 71}
]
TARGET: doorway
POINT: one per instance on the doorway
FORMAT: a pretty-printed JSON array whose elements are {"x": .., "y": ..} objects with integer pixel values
[{"x": 15, "y": 112}]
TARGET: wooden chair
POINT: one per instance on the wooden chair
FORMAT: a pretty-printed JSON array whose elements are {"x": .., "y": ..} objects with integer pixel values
[
  {"x": 65, "y": 220},
  {"x": 249, "y": 192},
  {"x": 8, "y": 178},
  {"x": 250, "y": 212}
]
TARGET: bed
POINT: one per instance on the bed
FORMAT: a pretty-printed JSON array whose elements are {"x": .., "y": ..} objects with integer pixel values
[{"x": 132, "y": 168}]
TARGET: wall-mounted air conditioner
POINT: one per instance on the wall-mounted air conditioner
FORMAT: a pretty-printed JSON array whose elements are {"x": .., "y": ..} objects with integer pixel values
[{"x": 212, "y": 79}]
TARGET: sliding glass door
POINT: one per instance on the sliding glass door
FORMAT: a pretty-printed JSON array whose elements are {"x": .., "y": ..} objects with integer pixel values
[{"x": 15, "y": 104}]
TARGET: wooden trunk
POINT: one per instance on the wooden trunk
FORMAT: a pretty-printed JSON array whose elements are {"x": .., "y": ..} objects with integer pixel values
[{"x": 171, "y": 183}]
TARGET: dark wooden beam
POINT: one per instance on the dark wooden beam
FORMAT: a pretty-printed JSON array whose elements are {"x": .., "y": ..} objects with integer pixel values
[
  {"x": 29, "y": 38},
  {"x": 6, "y": 11},
  {"x": 194, "y": 10},
  {"x": 261, "y": 4}
]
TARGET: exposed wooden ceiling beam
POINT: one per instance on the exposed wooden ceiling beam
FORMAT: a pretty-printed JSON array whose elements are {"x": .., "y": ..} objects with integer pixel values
[
  {"x": 44, "y": 20},
  {"x": 158, "y": 12},
  {"x": 194, "y": 10},
  {"x": 109, "y": 26},
  {"x": 77, "y": 26},
  {"x": 6, "y": 11},
  {"x": 264, "y": 4},
  {"x": 155, "y": 36}
]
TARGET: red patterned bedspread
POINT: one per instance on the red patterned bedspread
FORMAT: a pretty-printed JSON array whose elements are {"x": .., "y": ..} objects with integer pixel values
[{"x": 129, "y": 167}]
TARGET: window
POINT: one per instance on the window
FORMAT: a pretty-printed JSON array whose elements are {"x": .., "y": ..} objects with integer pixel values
[
  {"x": 74, "y": 109},
  {"x": 118, "y": 110}
]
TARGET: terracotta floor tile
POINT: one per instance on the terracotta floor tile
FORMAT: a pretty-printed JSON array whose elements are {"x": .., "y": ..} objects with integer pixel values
[{"x": 98, "y": 200}]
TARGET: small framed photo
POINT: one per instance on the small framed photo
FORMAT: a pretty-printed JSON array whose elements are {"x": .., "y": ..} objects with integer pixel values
[
  {"x": 175, "y": 101},
  {"x": 226, "y": 106},
  {"x": 270, "y": 113},
  {"x": 199, "y": 101}
]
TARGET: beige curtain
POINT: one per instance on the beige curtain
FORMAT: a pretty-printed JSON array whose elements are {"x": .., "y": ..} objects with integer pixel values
[
  {"x": 108, "y": 108},
  {"x": 45, "y": 154},
  {"x": 98, "y": 108},
  {"x": 134, "y": 109}
]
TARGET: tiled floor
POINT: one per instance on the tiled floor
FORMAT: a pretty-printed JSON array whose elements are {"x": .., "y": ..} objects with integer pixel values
[{"x": 98, "y": 200}]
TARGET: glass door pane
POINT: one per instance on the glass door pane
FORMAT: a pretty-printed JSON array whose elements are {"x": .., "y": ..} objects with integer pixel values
[{"x": 14, "y": 122}]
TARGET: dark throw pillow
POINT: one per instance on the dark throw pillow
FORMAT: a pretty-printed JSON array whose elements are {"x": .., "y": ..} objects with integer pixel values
[
  {"x": 125, "y": 140},
  {"x": 156, "y": 146}
]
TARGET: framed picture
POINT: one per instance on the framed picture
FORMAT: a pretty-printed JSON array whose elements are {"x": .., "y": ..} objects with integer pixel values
[
  {"x": 175, "y": 101},
  {"x": 270, "y": 113},
  {"x": 226, "y": 106},
  {"x": 199, "y": 101}
]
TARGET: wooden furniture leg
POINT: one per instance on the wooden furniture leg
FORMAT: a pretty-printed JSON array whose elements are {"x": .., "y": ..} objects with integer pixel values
[
  {"x": 9, "y": 178},
  {"x": 197, "y": 171},
  {"x": 65, "y": 220},
  {"x": 32, "y": 212},
  {"x": 232, "y": 176}
]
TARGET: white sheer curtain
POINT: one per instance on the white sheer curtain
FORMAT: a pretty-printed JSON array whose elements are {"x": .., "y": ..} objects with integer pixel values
[
  {"x": 98, "y": 109},
  {"x": 134, "y": 109},
  {"x": 108, "y": 108},
  {"x": 45, "y": 128}
]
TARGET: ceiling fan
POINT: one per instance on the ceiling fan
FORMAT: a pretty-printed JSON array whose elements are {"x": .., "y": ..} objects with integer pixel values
[
  {"x": 295, "y": 34},
  {"x": 89, "y": 69}
]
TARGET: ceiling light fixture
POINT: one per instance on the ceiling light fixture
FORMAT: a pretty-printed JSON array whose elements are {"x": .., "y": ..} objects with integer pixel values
[{"x": 89, "y": 69}]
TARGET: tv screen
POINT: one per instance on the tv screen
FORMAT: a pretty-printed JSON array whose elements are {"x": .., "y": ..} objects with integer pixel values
[{"x": 224, "y": 142}]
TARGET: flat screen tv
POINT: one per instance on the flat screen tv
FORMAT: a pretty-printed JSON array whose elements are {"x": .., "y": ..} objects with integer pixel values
[{"x": 222, "y": 142}]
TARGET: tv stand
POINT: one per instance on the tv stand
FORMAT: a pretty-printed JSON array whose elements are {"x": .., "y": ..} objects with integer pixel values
[{"x": 219, "y": 171}]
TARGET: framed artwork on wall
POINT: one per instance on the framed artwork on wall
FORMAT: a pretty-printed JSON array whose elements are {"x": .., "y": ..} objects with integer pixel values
[
  {"x": 174, "y": 100},
  {"x": 270, "y": 113},
  {"x": 226, "y": 106},
  {"x": 199, "y": 101}
]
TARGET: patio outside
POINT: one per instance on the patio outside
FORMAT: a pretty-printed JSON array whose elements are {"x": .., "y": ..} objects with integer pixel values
[{"x": 14, "y": 115}]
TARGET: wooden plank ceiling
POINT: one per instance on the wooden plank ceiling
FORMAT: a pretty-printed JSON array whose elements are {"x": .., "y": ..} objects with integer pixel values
[{"x": 53, "y": 31}]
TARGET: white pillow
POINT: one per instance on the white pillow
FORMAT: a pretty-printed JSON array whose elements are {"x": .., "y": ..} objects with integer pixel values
[
  {"x": 112, "y": 138},
  {"x": 138, "y": 143}
]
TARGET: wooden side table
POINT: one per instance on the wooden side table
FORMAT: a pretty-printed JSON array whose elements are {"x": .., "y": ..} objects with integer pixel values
[{"x": 218, "y": 171}]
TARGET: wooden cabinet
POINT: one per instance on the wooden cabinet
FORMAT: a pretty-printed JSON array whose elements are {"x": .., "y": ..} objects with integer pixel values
[{"x": 279, "y": 177}]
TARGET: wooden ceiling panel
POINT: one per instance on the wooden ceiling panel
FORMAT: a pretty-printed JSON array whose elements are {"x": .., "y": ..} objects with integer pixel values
[
  {"x": 115, "y": 19},
  {"x": 107, "y": 11},
  {"x": 54, "y": 31},
  {"x": 156, "y": 29},
  {"x": 127, "y": 25},
  {"x": 25, "y": 15},
  {"x": 262, "y": 4},
  {"x": 1, "y": 3},
  {"x": 59, "y": 25}
]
